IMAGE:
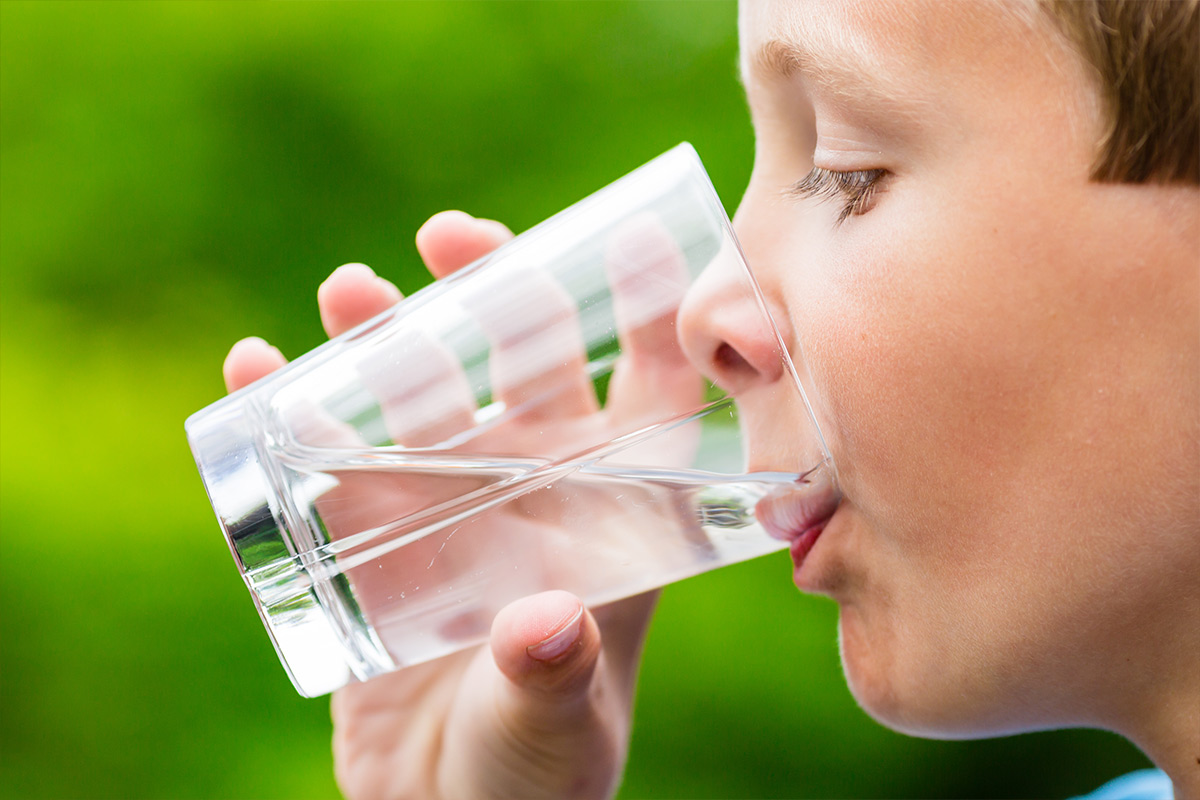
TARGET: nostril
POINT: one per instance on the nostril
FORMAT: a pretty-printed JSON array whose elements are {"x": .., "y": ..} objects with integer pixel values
[{"x": 729, "y": 361}]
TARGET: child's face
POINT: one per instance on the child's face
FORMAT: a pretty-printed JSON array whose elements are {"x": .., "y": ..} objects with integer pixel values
[{"x": 1003, "y": 358}]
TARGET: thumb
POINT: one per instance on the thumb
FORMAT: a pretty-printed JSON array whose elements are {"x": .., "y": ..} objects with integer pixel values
[
  {"x": 544, "y": 732},
  {"x": 547, "y": 646}
]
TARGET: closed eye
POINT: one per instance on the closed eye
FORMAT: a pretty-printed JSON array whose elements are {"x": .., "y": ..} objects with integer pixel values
[{"x": 856, "y": 189}]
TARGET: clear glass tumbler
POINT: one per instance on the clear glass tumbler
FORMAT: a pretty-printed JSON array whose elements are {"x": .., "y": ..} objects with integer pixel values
[{"x": 529, "y": 423}]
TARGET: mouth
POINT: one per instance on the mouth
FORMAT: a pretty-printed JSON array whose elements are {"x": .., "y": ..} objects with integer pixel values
[{"x": 798, "y": 514}]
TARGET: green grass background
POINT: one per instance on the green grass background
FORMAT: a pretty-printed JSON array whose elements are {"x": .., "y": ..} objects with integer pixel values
[{"x": 176, "y": 175}]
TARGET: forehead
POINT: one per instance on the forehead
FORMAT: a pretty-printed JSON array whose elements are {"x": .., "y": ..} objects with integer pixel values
[{"x": 897, "y": 48}]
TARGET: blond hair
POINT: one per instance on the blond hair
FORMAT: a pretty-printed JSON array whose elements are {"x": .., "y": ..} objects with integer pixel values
[{"x": 1146, "y": 56}]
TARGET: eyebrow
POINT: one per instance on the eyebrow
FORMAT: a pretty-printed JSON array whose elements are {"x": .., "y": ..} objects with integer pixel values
[{"x": 836, "y": 71}]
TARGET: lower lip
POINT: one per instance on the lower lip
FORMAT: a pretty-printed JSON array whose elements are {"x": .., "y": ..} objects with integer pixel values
[{"x": 802, "y": 544}]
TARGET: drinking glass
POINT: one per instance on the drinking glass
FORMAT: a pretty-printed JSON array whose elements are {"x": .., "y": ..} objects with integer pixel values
[{"x": 529, "y": 423}]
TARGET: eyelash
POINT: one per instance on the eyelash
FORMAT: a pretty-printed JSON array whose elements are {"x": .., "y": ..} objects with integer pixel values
[{"x": 856, "y": 189}]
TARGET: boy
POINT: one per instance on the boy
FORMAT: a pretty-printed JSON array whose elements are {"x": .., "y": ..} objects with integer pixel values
[{"x": 978, "y": 226}]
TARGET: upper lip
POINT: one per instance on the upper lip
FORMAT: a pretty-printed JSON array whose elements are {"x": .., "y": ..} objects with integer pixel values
[{"x": 791, "y": 512}]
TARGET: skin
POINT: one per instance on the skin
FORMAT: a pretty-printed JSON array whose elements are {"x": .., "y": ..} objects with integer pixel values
[{"x": 1004, "y": 357}]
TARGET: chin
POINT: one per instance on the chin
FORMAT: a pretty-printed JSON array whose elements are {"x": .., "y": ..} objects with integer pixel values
[
  {"x": 869, "y": 673},
  {"x": 922, "y": 699}
]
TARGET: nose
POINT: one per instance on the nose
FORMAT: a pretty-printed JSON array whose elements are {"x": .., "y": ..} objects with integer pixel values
[{"x": 725, "y": 330}]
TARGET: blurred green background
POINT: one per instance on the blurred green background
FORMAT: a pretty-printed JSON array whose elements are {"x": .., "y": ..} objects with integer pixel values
[{"x": 177, "y": 175}]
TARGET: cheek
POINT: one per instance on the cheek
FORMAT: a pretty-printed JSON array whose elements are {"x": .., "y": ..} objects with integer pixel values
[
  {"x": 929, "y": 361},
  {"x": 924, "y": 353},
  {"x": 877, "y": 358}
]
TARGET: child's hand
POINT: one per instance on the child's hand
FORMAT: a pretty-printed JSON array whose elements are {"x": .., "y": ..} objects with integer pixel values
[{"x": 543, "y": 712}]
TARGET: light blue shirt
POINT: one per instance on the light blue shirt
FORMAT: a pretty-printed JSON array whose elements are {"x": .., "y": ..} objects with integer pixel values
[{"x": 1145, "y": 784}]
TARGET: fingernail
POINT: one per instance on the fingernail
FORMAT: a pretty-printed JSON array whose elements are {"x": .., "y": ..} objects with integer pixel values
[
  {"x": 362, "y": 269},
  {"x": 559, "y": 642},
  {"x": 452, "y": 213},
  {"x": 252, "y": 342}
]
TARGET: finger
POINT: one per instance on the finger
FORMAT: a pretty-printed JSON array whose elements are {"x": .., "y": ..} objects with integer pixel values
[
  {"x": 623, "y": 628},
  {"x": 249, "y": 360},
  {"x": 547, "y": 646},
  {"x": 536, "y": 727},
  {"x": 421, "y": 388},
  {"x": 538, "y": 360},
  {"x": 351, "y": 296},
  {"x": 648, "y": 274},
  {"x": 451, "y": 240}
]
